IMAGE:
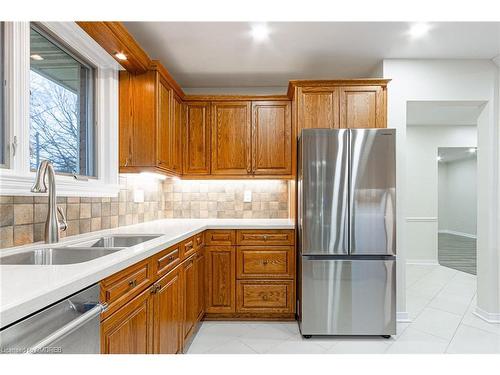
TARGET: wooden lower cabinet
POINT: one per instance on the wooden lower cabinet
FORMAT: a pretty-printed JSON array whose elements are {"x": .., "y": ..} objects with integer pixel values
[
  {"x": 200, "y": 269},
  {"x": 189, "y": 279},
  {"x": 221, "y": 279},
  {"x": 167, "y": 314},
  {"x": 265, "y": 296},
  {"x": 129, "y": 330}
]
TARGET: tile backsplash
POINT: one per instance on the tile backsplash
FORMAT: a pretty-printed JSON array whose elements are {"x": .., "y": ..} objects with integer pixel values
[{"x": 22, "y": 218}]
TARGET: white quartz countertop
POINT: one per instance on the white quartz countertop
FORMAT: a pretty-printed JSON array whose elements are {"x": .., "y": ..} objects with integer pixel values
[{"x": 25, "y": 289}]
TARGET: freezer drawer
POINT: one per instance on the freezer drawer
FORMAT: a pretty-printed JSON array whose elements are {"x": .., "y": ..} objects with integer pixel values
[{"x": 347, "y": 297}]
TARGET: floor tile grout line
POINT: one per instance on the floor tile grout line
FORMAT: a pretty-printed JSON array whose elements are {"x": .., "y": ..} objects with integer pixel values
[{"x": 460, "y": 323}]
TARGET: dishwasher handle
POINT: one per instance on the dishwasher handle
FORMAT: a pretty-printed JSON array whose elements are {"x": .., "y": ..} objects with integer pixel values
[{"x": 68, "y": 328}]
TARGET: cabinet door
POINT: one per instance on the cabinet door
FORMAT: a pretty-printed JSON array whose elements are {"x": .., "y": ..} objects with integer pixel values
[
  {"x": 178, "y": 120},
  {"x": 362, "y": 107},
  {"x": 231, "y": 138},
  {"x": 196, "y": 159},
  {"x": 164, "y": 138},
  {"x": 200, "y": 269},
  {"x": 167, "y": 311},
  {"x": 271, "y": 138},
  {"x": 129, "y": 330},
  {"x": 190, "y": 289},
  {"x": 318, "y": 107},
  {"x": 221, "y": 279}
]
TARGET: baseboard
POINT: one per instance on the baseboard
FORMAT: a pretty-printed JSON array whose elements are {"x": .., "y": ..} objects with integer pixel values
[
  {"x": 423, "y": 262},
  {"x": 454, "y": 232},
  {"x": 486, "y": 316},
  {"x": 403, "y": 317}
]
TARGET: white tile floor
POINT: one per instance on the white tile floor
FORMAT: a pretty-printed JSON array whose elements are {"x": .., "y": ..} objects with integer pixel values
[{"x": 440, "y": 301}]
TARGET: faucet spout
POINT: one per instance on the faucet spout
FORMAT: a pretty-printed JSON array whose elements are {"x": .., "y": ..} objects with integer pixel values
[{"x": 45, "y": 175}]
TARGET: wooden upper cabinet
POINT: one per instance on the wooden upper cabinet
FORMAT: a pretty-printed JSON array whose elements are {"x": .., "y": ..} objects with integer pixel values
[
  {"x": 271, "y": 138},
  {"x": 165, "y": 139},
  {"x": 231, "y": 138},
  {"x": 148, "y": 136},
  {"x": 362, "y": 107},
  {"x": 318, "y": 107},
  {"x": 178, "y": 121},
  {"x": 196, "y": 159}
]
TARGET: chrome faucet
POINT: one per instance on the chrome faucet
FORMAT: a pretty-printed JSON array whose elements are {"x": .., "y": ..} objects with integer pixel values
[{"x": 45, "y": 172}]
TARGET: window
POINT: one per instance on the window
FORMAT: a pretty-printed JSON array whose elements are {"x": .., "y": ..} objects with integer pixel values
[
  {"x": 61, "y": 106},
  {"x": 3, "y": 143}
]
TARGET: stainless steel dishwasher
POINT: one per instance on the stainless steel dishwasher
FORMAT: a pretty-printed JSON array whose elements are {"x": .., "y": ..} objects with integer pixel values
[{"x": 70, "y": 326}]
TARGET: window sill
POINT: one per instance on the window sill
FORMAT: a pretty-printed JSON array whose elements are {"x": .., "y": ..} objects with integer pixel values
[{"x": 65, "y": 186}]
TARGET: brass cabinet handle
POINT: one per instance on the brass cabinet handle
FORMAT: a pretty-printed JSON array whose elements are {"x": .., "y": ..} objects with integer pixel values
[
  {"x": 132, "y": 283},
  {"x": 264, "y": 297},
  {"x": 264, "y": 262}
]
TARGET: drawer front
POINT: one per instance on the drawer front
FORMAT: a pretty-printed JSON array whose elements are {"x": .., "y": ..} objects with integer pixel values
[
  {"x": 166, "y": 260},
  {"x": 265, "y": 262},
  {"x": 221, "y": 237},
  {"x": 117, "y": 289},
  {"x": 266, "y": 237},
  {"x": 199, "y": 240},
  {"x": 269, "y": 296},
  {"x": 187, "y": 248}
]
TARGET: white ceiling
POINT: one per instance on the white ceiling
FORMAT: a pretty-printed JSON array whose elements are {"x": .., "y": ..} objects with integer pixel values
[
  {"x": 443, "y": 112},
  {"x": 223, "y": 54}
]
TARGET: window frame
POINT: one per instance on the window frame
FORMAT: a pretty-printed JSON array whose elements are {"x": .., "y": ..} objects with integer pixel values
[
  {"x": 17, "y": 178},
  {"x": 3, "y": 134}
]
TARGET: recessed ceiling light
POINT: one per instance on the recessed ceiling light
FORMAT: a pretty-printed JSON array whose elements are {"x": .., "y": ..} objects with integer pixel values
[
  {"x": 472, "y": 150},
  {"x": 260, "y": 32},
  {"x": 120, "y": 56},
  {"x": 439, "y": 158},
  {"x": 418, "y": 30},
  {"x": 36, "y": 57}
]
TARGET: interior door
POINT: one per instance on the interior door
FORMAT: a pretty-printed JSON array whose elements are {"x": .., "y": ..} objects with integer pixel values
[
  {"x": 372, "y": 195},
  {"x": 323, "y": 191}
]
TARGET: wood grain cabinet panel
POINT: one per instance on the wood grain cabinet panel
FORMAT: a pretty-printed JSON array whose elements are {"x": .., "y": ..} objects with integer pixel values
[
  {"x": 166, "y": 260},
  {"x": 220, "y": 237},
  {"x": 266, "y": 237},
  {"x": 271, "y": 138},
  {"x": 167, "y": 314},
  {"x": 265, "y": 296},
  {"x": 129, "y": 330},
  {"x": 190, "y": 286},
  {"x": 318, "y": 107},
  {"x": 362, "y": 107},
  {"x": 188, "y": 248},
  {"x": 119, "y": 288},
  {"x": 165, "y": 135},
  {"x": 221, "y": 279},
  {"x": 231, "y": 138},
  {"x": 178, "y": 122},
  {"x": 265, "y": 262},
  {"x": 200, "y": 269},
  {"x": 196, "y": 160}
]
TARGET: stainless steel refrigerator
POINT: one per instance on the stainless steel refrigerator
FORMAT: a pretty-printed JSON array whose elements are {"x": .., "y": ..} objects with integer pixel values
[{"x": 346, "y": 232}]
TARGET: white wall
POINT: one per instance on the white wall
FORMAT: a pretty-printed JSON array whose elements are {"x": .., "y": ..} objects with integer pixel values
[
  {"x": 457, "y": 197},
  {"x": 422, "y": 184},
  {"x": 452, "y": 80}
]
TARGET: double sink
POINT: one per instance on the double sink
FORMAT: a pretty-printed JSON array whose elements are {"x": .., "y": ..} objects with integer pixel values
[{"x": 77, "y": 253}]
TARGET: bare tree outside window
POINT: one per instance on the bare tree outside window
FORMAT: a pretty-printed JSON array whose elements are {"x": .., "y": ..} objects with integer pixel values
[{"x": 61, "y": 107}]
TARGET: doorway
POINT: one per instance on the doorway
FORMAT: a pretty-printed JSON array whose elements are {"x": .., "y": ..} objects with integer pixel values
[{"x": 457, "y": 208}]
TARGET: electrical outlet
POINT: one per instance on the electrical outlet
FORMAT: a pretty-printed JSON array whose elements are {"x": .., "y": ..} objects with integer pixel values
[{"x": 247, "y": 196}]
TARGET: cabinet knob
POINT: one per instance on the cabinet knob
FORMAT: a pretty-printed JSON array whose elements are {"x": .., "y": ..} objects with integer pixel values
[
  {"x": 264, "y": 297},
  {"x": 132, "y": 283},
  {"x": 264, "y": 262}
]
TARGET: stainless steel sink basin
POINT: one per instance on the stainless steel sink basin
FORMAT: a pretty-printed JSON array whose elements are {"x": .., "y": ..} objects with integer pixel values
[
  {"x": 121, "y": 240},
  {"x": 57, "y": 255}
]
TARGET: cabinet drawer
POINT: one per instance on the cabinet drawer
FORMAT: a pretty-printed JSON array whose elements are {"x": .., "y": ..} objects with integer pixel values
[
  {"x": 199, "y": 240},
  {"x": 187, "y": 248},
  {"x": 265, "y": 262},
  {"x": 119, "y": 288},
  {"x": 267, "y": 296},
  {"x": 166, "y": 260},
  {"x": 266, "y": 237},
  {"x": 220, "y": 237}
]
